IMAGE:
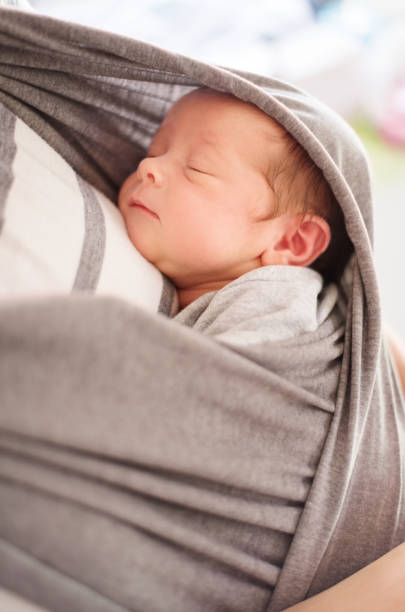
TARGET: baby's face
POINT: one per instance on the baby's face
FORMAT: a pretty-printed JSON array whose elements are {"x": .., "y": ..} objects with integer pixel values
[{"x": 197, "y": 206}]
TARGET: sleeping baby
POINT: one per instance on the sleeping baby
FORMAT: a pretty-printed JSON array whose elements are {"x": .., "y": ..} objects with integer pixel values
[{"x": 236, "y": 214}]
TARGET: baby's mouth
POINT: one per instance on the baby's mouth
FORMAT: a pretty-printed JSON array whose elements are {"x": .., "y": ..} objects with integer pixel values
[{"x": 141, "y": 206}]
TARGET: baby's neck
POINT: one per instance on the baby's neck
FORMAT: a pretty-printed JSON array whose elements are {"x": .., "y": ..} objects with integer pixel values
[{"x": 189, "y": 294}]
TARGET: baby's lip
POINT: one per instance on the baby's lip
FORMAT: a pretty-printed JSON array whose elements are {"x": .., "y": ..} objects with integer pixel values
[{"x": 141, "y": 205}]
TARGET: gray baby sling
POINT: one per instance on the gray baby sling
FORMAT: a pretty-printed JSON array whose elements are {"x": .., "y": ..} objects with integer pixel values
[{"x": 141, "y": 465}]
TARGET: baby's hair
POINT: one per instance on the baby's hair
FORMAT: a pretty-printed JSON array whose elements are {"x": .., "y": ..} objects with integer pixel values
[{"x": 300, "y": 186}]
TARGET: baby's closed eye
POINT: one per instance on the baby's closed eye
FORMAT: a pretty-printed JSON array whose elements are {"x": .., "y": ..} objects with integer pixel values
[{"x": 199, "y": 168}]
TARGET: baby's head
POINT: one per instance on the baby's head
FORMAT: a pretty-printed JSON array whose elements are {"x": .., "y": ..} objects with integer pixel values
[{"x": 225, "y": 189}]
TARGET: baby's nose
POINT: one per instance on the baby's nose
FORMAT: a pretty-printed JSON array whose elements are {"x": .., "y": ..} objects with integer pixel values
[{"x": 149, "y": 170}]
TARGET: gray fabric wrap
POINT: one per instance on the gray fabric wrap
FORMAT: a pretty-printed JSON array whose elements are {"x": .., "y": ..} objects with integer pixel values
[
  {"x": 7, "y": 154},
  {"x": 142, "y": 464},
  {"x": 92, "y": 254}
]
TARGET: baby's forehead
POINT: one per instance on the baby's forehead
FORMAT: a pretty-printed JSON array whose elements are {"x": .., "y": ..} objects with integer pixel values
[
  {"x": 215, "y": 111},
  {"x": 223, "y": 103},
  {"x": 221, "y": 125}
]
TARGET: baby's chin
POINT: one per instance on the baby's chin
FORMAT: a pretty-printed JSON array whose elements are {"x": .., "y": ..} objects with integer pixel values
[{"x": 142, "y": 245}]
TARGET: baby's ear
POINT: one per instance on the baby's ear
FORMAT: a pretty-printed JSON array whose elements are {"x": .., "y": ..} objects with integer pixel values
[{"x": 304, "y": 238}]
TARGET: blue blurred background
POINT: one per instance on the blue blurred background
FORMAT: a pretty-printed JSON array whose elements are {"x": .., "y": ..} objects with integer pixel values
[{"x": 349, "y": 53}]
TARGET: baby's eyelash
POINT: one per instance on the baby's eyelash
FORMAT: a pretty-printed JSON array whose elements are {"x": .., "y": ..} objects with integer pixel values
[{"x": 200, "y": 171}]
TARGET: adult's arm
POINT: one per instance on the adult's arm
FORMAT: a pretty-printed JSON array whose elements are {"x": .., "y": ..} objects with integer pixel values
[{"x": 379, "y": 587}]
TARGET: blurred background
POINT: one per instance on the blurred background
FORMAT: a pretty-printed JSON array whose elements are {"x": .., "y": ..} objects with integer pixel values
[{"x": 349, "y": 53}]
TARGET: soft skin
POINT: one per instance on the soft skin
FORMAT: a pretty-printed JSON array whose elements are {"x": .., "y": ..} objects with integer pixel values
[{"x": 199, "y": 206}]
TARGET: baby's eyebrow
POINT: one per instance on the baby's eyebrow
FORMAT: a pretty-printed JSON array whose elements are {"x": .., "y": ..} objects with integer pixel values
[
  {"x": 210, "y": 139},
  {"x": 213, "y": 144}
]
